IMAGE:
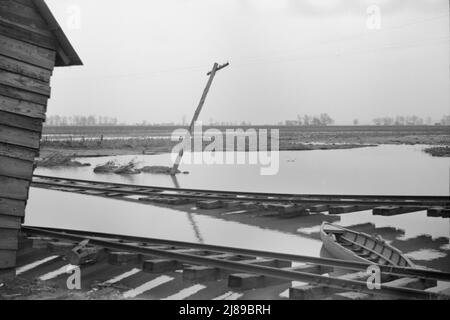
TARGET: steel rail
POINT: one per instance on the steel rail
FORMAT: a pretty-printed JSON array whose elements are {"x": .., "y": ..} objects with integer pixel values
[
  {"x": 344, "y": 264},
  {"x": 289, "y": 275},
  {"x": 263, "y": 194},
  {"x": 419, "y": 203},
  {"x": 310, "y": 202}
]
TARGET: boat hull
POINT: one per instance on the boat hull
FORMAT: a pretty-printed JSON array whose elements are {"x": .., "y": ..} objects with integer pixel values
[
  {"x": 338, "y": 251},
  {"x": 350, "y": 245}
]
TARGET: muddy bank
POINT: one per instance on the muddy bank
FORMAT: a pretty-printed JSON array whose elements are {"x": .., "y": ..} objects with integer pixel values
[
  {"x": 26, "y": 289},
  {"x": 95, "y": 152},
  {"x": 438, "y": 151},
  {"x": 58, "y": 159},
  {"x": 89, "y": 150}
]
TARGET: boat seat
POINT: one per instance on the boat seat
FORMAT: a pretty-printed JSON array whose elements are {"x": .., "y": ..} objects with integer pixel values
[
  {"x": 374, "y": 255},
  {"x": 345, "y": 242},
  {"x": 333, "y": 230},
  {"x": 364, "y": 254}
]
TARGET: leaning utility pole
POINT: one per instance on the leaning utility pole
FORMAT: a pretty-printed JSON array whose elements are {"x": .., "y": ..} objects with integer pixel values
[{"x": 211, "y": 74}]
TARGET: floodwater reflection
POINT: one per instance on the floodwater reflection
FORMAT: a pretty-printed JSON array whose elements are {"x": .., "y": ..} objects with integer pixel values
[{"x": 58, "y": 209}]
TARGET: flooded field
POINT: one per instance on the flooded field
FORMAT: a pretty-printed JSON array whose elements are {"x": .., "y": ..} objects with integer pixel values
[
  {"x": 387, "y": 169},
  {"x": 406, "y": 170}
]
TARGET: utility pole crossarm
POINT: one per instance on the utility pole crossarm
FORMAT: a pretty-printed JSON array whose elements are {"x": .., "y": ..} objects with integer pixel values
[
  {"x": 219, "y": 68},
  {"x": 211, "y": 74}
]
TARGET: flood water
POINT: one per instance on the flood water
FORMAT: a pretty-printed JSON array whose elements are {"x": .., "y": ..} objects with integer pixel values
[
  {"x": 387, "y": 169},
  {"x": 384, "y": 169},
  {"x": 57, "y": 209}
]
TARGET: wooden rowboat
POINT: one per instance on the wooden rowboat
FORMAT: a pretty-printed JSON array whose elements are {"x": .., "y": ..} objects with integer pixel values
[{"x": 346, "y": 244}]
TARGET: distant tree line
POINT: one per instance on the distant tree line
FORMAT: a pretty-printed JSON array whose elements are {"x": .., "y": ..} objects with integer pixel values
[
  {"x": 76, "y": 120},
  {"x": 409, "y": 121},
  {"x": 302, "y": 120},
  {"x": 307, "y": 120}
]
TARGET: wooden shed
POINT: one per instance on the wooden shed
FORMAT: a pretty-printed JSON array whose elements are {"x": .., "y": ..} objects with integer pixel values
[{"x": 31, "y": 44}]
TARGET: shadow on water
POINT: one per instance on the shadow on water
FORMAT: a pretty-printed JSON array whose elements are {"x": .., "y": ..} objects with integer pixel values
[
  {"x": 191, "y": 217},
  {"x": 58, "y": 209}
]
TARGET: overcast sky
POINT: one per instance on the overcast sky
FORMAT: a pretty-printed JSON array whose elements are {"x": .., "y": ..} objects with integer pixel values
[{"x": 147, "y": 59}]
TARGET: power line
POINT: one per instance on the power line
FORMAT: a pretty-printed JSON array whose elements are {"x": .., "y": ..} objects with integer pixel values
[
  {"x": 355, "y": 36},
  {"x": 284, "y": 57}
]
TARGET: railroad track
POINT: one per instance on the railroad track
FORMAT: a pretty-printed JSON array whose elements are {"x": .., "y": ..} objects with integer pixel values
[
  {"x": 386, "y": 205},
  {"x": 245, "y": 269}
]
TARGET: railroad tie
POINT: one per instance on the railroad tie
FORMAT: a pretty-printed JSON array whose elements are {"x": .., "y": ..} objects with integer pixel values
[
  {"x": 438, "y": 212},
  {"x": 319, "y": 208},
  {"x": 313, "y": 291},
  {"x": 209, "y": 204},
  {"x": 160, "y": 265},
  {"x": 394, "y": 210},
  {"x": 347, "y": 209},
  {"x": 413, "y": 283},
  {"x": 201, "y": 273},
  {"x": 247, "y": 281}
]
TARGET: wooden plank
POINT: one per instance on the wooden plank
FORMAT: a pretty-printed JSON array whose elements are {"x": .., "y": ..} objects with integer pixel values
[
  {"x": 25, "y": 108},
  {"x": 19, "y": 22},
  {"x": 27, "y": 52},
  {"x": 7, "y": 258},
  {"x": 28, "y": 96},
  {"x": 10, "y": 150},
  {"x": 9, "y": 228},
  {"x": 13, "y": 188},
  {"x": 20, "y": 137},
  {"x": 347, "y": 209},
  {"x": 393, "y": 210},
  {"x": 22, "y": 9},
  {"x": 319, "y": 208},
  {"x": 438, "y": 212},
  {"x": 21, "y": 14},
  {"x": 25, "y": 83},
  {"x": 312, "y": 291},
  {"x": 25, "y": 69},
  {"x": 10, "y": 223},
  {"x": 27, "y": 35},
  {"x": 16, "y": 168},
  {"x": 245, "y": 281},
  {"x": 12, "y": 207},
  {"x": 434, "y": 211},
  {"x": 28, "y": 3},
  {"x": 20, "y": 121}
]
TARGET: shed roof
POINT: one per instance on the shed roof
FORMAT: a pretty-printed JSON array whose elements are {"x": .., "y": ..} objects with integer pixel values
[{"x": 65, "y": 54}]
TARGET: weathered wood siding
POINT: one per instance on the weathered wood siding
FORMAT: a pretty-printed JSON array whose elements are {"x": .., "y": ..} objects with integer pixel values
[{"x": 27, "y": 58}]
